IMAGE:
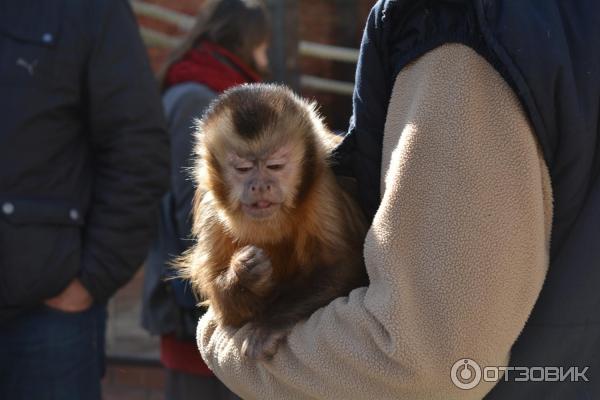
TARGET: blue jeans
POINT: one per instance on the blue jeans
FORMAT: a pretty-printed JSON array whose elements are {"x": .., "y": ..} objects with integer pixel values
[{"x": 46, "y": 354}]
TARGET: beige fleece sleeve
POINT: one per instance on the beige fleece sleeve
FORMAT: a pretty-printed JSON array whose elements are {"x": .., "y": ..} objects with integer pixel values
[{"x": 456, "y": 255}]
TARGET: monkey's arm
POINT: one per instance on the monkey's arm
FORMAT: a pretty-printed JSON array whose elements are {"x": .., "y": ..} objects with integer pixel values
[
  {"x": 232, "y": 301},
  {"x": 240, "y": 291},
  {"x": 456, "y": 255}
]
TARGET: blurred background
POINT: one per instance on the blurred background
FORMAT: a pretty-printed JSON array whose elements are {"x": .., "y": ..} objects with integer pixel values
[
  {"x": 314, "y": 44},
  {"x": 314, "y": 48}
]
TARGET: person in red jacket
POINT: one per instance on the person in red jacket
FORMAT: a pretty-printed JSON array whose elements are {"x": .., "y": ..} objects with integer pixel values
[{"x": 226, "y": 47}]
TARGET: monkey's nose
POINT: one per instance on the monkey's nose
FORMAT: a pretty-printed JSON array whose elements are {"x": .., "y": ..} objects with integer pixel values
[{"x": 260, "y": 187}]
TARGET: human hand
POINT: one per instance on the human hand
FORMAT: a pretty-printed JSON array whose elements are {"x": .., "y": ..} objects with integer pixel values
[{"x": 74, "y": 298}]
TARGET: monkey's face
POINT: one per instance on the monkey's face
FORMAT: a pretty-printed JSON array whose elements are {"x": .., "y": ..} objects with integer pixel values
[
  {"x": 260, "y": 149},
  {"x": 263, "y": 183}
]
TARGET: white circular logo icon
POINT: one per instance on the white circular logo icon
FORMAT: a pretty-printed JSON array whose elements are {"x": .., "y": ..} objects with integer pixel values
[{"x": 465, "y": 373}]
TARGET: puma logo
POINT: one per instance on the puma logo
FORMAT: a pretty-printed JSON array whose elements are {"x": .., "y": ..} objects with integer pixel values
[{"x": 30, "y": 67}]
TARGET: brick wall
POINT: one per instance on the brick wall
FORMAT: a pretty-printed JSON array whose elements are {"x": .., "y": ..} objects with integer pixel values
[{"x": 335, "y": 22}]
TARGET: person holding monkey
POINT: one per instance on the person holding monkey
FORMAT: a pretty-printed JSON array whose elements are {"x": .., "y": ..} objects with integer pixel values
[
  {"x": 474, "y": 142},
  {"x": 226, "y": 47}
]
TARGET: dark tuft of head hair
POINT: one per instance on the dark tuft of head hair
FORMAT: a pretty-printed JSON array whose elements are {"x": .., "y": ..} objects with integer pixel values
[{"x": 251, "y": 117}]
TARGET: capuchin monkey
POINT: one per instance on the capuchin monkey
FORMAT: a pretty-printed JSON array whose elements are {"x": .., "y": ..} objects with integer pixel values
[{"x": 276, "y": 237}]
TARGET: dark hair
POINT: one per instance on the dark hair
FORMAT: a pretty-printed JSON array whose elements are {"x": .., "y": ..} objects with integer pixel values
[{"x": 237, "y": 25}]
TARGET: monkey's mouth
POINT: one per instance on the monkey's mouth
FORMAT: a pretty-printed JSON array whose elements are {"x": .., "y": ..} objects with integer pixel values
[
  {"x": 261, "y": 204},
  {"x": 260, "y": 209}
]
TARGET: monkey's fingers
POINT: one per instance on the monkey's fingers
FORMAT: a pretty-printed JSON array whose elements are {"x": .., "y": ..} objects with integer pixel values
[
  {"x": 262, "y": 343},
  {"x": 250, "y": 256},
  {"x": 246, "y": 252},
  {"x": 253, "y": 269}
]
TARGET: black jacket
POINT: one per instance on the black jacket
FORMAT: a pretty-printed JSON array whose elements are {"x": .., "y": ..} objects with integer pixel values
[
  {"x": 83, "y": 149},
  {"x": 547, "y": 50}
]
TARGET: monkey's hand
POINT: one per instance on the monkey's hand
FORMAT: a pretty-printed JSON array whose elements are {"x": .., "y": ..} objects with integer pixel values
[
  {"x": 262, "y": 342},
  {"x": 253, "y": 270}
]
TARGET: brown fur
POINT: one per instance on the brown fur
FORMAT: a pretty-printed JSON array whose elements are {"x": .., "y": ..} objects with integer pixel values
[{"x": 311, "y": 253}]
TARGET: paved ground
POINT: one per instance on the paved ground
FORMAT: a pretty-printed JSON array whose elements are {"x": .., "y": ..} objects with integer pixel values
[
  {"x": 125, "y": 336},
  {"x": 127, "y": 342},
  {"x": 133, "y": 383}
]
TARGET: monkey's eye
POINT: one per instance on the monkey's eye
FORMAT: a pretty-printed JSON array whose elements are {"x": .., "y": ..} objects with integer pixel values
[
  {"x": 243, "y": 169},
  {"x": 276, "y": 167}
]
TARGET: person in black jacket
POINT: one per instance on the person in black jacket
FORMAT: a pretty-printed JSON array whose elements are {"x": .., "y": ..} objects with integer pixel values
[{"x": 83, "y": 164}]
